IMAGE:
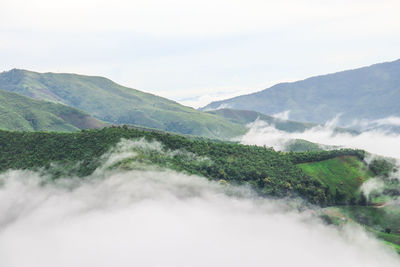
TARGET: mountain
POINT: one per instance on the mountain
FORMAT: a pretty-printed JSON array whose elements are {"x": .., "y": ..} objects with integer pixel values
[
  {"x": 117, "y": 104},
  {"x": 368, "y": 93},
  {"x": 18, "y": 112},
  {"x": 247, "y": 116}
]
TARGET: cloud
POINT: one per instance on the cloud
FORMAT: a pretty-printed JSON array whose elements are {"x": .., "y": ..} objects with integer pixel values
[
  {"x": 203, "y": 96},
  {"x": 163, "y": 218},
  {"x": 374, "y": 141},
  {"x": 176, "y": 48},
  {"x": 384, "y": 123},
  {"x": 191, "y": 17},
  {"x": 284, "y": 115},
  {"x": 138, "y": 218},
  {"x": 372, "y": 185}
]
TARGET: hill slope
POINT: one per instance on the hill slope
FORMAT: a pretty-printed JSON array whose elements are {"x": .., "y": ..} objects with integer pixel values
[
  {"x": 18, "y": 112},
  {"x": 321, "y": 177},
  {"x": 366, "y": 93},
  {"x": 267, "y": 171},
  {"x": 117, "y": 104},
  {"x": 346, "y": 173}
]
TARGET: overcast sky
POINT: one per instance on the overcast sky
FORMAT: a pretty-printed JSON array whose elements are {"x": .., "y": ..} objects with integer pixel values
[{"x": 197, "y": 51}]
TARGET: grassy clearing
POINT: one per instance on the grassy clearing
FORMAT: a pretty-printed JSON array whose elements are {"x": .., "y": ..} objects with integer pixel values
[{"x": 345, "y": 173}]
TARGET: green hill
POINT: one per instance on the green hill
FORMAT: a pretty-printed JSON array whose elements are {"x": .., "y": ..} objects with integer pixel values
[
  {"x": 366, "y": 93},
  {"x": 18, "y": 112},
  {"x": 345, "y": 174},
  {"x": 325, "y": 178},
  {"x": 117, "y": 104},
  {"x": 269, "y": 172}
]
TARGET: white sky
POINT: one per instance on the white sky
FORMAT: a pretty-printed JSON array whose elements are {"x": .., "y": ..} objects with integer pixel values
[{"x": 198, "y": 51}]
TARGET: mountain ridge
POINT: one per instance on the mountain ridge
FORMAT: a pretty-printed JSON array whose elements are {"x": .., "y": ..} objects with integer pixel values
[
  {"x": 117, "y": 104},
  {"x": 352, "y": 93}
]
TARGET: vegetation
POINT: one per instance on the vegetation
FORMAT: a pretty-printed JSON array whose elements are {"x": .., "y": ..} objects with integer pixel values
[
  {"x": 300, "y": 145},
  {"x": 313, "y": 156},
  {"x": 343, "y": 175},
  {"x": 366, "y": 93},
  {"x": 322, "y": 177},
  {"x": 270, "y": 173},
  {"x": 22, "y": 113},
  {"x": 382, "y": 167},
  {"x": 384, "y": 222},
  {"x": 117, "y": 104}
]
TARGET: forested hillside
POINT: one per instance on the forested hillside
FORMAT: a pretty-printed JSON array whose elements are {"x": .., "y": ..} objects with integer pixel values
[{"x": 269, "y": 172}]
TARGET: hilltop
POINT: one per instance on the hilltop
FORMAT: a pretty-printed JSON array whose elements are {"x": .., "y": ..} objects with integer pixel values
[{"x": 116, "y": 104}]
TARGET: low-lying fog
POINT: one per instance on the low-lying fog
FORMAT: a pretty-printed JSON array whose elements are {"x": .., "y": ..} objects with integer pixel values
[
  {"x": 162, "y": 218},
  {"x": 374, "y": 141}
]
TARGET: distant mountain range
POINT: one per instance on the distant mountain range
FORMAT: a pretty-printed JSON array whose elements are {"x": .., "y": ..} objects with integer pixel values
[
  {"x": 116, "y": 104},
  {"x": 367, "y": 93},
  {"x": 18, "y": 112},
  {"x": 32, "y": 101}
]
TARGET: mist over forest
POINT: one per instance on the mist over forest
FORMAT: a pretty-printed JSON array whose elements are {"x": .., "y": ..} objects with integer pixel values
[
  {"x": 199, "y": 133},
  {"x": 150, "y": 217}
]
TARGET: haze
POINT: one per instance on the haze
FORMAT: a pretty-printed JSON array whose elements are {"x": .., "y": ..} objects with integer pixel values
[
  {"x": 152, "y": 218},
  {"x": 195, "y": 52}
]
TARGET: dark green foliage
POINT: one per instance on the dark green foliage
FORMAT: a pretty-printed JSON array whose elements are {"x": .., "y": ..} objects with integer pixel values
[
  {"x": 340, "y": 197},
  {"x": 363, "y": 201},
  {"x": 270, "y": 173},
  {"x": 313, "y": 156},
  {"x": 382, "y": 167}
]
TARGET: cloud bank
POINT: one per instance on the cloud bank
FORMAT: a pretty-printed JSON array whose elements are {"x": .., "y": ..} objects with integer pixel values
[
  {"x": 163, "y": 218},
  {"x": 373, "y": 141}
]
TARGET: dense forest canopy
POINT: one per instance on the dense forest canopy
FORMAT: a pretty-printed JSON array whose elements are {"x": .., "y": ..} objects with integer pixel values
[{"x": 269, "y": 172}]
